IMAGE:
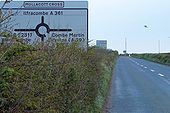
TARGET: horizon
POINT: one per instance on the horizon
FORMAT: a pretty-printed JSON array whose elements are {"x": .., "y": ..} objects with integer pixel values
[{"x": 115, "y": 20}]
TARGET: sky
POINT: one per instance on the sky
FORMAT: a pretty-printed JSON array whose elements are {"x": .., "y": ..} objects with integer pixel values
[{"x": 115, "y": 20}]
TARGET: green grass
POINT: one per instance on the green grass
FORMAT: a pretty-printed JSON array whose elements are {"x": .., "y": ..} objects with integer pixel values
[
  {"x": 104, "y": 88},
  {"x": 163, "y": 58}
]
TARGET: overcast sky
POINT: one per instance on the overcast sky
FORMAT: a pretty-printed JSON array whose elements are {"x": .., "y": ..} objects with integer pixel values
[{"x": 114, "y": 20}]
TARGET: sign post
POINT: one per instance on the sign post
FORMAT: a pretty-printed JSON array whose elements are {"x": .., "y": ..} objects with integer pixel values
[{"x": 65, "y": 21}]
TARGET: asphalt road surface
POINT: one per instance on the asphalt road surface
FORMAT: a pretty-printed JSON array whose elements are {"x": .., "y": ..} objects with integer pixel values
[{"x": 139, "y": 86}]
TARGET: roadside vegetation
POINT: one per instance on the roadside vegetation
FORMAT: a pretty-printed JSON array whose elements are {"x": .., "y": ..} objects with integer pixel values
[
  {"x": 53, "y": 77},
  {"x": 50, "y": 77},
  {"x": 163, "y": 58}
]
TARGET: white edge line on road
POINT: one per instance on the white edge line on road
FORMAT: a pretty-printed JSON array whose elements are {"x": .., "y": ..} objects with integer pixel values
[{"x": 161, "y": 75}]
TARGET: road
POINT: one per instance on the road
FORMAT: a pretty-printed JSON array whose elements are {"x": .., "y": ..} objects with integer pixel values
[{"x": 139, "y": 86}]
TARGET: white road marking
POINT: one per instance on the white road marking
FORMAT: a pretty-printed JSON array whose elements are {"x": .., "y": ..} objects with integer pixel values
[
  {"x": 142, "y": 70},
  {"x": 161, "y": 75},
  {"x": 152, "y": 70},
  {"x": 135, "y": 62},
  {"x": 141, "y": 65},
  {"x": 145, "y": 67},
  {"x": 167, "y": 81}
]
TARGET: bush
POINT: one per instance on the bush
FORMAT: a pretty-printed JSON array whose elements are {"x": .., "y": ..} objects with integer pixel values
[
  {"x": 163, "y": 58},
  {"x": 52, "y": 77}
]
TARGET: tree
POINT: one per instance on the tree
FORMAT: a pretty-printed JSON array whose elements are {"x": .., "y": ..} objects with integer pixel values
[{"x": 5, "y": 18}]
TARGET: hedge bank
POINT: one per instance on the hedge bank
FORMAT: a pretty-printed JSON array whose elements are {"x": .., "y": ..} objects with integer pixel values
[
  {"x": 54, "y": 78},
  {"x": 163, "y": 58}
]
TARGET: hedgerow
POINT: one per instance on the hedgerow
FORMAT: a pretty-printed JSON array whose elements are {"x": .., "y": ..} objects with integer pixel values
[
  {"x": 53, "y": 77},
  {"x": 163, "y": 58}
]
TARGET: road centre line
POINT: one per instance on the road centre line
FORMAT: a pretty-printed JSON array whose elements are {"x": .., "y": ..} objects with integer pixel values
[
  {"x": 161, "y": 75},
  {"x": 152, "y": 70},
  {"x": 166, "y": 81}
]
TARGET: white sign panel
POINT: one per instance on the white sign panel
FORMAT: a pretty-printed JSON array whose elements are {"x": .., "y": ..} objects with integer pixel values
[
  {"x": 66, "y": 21},
  {"x": 102, "y": 43}
]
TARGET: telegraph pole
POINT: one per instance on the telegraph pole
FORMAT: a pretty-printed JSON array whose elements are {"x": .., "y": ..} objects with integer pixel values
[
  {"x": 159, "y": 46},
  {"x": 169, "y": 37},
  {"x": 126, "y": 45}
]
